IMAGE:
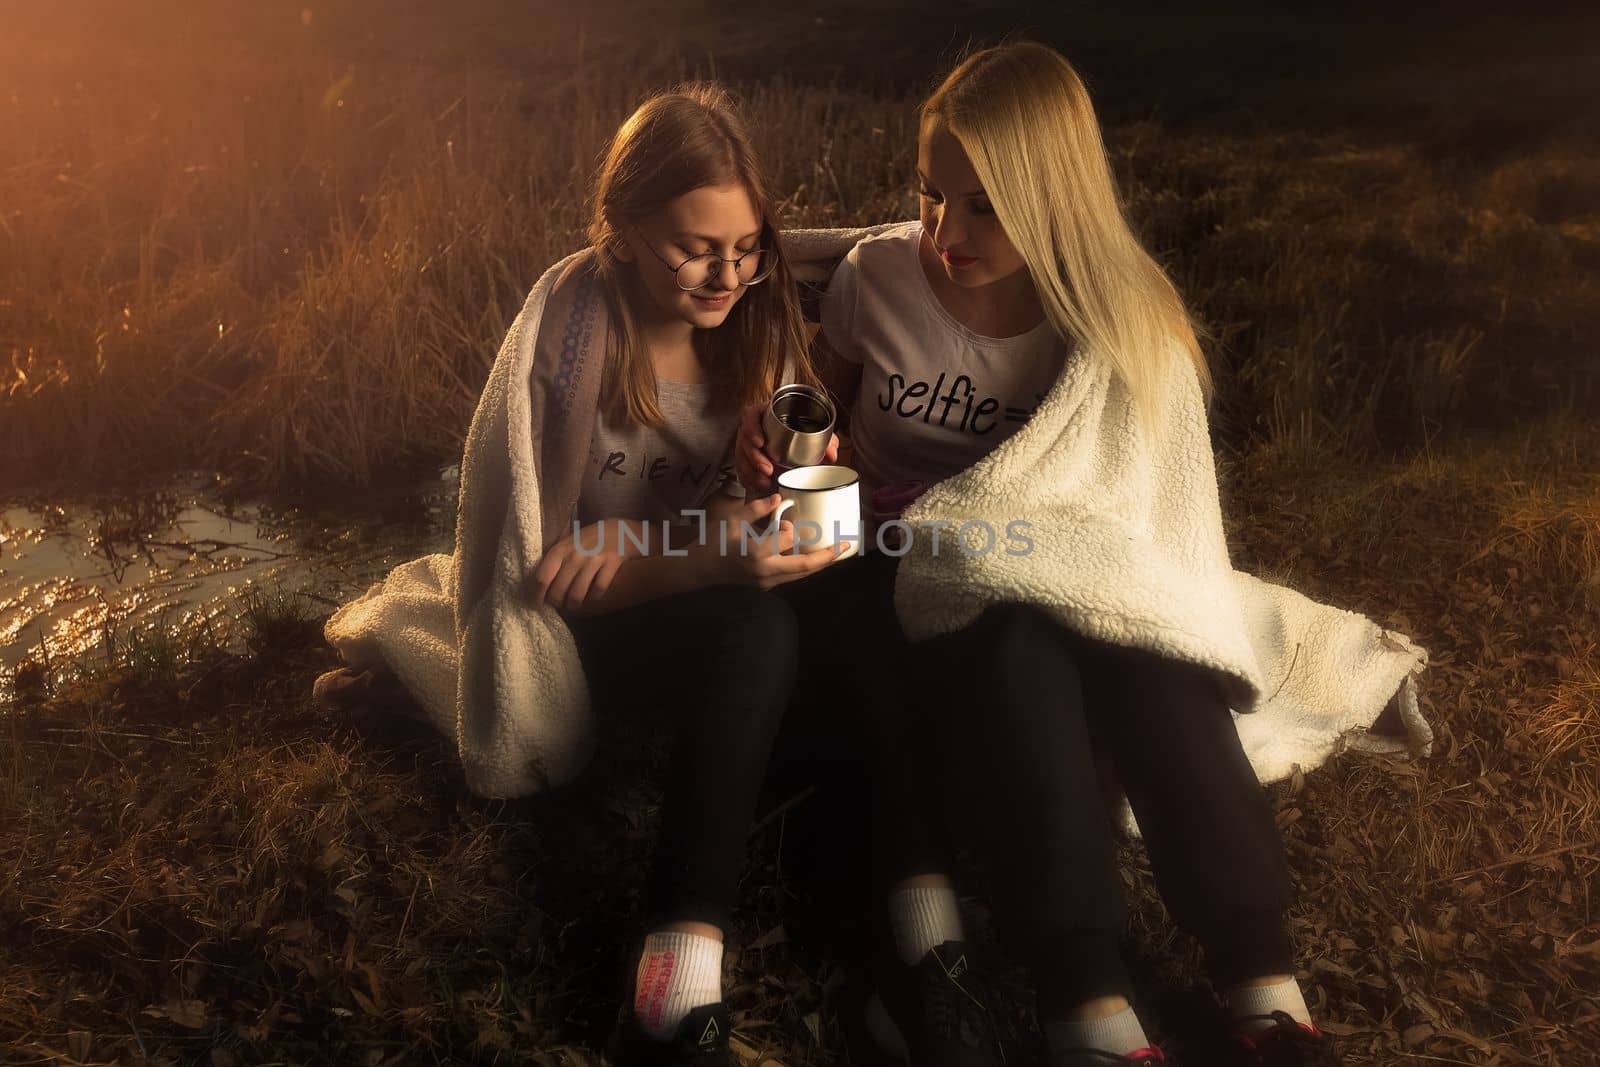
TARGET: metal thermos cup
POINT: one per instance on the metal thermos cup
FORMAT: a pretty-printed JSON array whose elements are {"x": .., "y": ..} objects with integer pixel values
[{"x": 798, "y": 424}]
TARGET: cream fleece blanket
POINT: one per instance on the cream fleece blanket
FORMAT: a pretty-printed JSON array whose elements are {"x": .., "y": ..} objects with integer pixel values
[
  {"x": 1128, "y": 548},
  {"x": 503, "y": 680}
]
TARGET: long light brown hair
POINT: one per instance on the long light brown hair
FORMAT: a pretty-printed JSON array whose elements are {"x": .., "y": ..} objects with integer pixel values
[
  {"x": 1024, "y": 118},
  {"x": 683, "y": 139}
]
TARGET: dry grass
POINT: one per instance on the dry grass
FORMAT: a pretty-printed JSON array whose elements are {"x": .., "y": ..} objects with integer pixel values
[
  {"x": 264, "y": 255},
  {"x": 291, "y": 250},
  {"x": 203, "y": 870}
]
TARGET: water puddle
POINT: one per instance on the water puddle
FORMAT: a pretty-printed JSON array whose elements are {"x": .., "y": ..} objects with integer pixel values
[{"x": 80, "y": 577}]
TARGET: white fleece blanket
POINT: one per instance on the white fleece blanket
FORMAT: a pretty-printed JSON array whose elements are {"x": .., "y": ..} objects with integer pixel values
[
  {"x": 503, "y": 680},
  {"x": 1128, "y": 548}
]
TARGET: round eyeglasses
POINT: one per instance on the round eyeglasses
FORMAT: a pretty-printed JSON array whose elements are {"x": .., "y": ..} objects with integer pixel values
[{"x": 697, "y": 272}]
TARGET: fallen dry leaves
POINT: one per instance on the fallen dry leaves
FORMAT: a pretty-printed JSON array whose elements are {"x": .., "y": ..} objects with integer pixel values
[{"x": 221, "y": 876}]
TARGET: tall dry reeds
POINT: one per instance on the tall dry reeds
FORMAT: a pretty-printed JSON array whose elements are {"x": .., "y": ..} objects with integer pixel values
[
  {"x": 294, "y": 268},
  {"x": 299, "y": 275}
]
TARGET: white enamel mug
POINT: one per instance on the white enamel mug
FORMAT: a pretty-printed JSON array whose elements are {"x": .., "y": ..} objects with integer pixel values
[{"x": 824, "y": 504}]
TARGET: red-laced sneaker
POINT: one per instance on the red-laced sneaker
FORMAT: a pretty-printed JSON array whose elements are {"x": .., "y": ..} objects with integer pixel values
[
  {"x": 1286, "y": 1043},
  {"x": 1139, "y": 1057}
]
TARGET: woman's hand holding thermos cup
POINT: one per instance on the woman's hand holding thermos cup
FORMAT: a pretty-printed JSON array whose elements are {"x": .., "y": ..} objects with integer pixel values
[
  {"x": 793, "y": 429},
  {"x": 788, "y": 444}
]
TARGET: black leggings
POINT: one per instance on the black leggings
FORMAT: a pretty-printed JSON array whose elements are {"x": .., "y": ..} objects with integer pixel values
[
  {"x": 1034, "y": 703},
  {"x": 1004, "y": 719},
  {"x": 1004, "y": 716},
  {"x": 855, "y": 686},
  {"x": 720, "y": 667},
  {"x": 715, "y": 666}
]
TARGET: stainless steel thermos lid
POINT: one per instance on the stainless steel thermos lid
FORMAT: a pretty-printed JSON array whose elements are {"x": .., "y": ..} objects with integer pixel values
[{"x": 798, "y": 424}]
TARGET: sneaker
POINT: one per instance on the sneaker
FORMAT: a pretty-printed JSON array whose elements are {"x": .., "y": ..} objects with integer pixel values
[
  {"x": 1136, "y": 1058},
  {"x": 1141, "y": 1057},
  {"x": 1286, "y": 1043},
  {"x": 701, "y": 1040},
  {"x": 936, "y": 1013}
]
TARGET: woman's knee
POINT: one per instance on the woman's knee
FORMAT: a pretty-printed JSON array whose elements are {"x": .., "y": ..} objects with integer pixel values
[
  {"x": 1162, "y": 717},
  {"x": 1001, "y": 673},
  {"x": 1013, "y": 619},
  {"x": 1150, "y": 690},
  {"x": 1010, "y": 636}
]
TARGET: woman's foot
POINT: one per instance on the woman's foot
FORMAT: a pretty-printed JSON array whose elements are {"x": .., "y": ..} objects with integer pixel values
[
  {"x": 672, "y": 1010},
  {"x": 1269, "y": 1025},
  {"x": 1148, "y": 1056},
  {"x": 1104, "y": 1033},
  {"x": 935, "y": 1013},
  {"x": 341, "y": 689},
  {"x": 1280, "y": 1040},
  {"x": 700, "y": 1040},
  {"x": 931, "y": 1009}
]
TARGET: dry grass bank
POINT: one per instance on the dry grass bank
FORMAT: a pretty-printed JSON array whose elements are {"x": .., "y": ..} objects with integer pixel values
[
  {"x": 295, "y": 261},
  {"x": 203, "y": 870}
]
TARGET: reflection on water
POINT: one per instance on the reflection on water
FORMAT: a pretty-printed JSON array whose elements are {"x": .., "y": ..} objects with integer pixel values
[{"x": 77, "y": 575}]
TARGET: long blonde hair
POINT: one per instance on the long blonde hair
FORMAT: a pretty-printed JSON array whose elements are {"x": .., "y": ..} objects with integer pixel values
[
  {"x": 1024, "y": 118},
  {"x": 675, "y": 142}
]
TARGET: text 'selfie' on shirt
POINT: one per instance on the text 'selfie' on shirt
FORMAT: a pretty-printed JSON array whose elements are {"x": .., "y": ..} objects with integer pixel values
[{"x": 935, "y": 397}]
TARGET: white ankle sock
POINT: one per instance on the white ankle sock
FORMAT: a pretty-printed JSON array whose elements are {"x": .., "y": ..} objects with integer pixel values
[
  {"x": 1118, "y": 1034},
  {"x": 923, "y": 918},
  {"x": 678, "y": 972},
  {"x": 1263, "y": 999}
]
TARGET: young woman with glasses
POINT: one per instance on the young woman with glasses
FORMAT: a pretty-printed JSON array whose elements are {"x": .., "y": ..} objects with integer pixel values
[{"x": 703, "y": 316}]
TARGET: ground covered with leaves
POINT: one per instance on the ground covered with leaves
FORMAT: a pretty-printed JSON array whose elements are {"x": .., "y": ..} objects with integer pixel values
[{"x": 202, "y": 868}]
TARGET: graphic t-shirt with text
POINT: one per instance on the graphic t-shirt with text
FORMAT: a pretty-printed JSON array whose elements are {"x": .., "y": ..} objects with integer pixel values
[
  {"x": 655, "y": 472},
  {"x": 935, "y": 397}
]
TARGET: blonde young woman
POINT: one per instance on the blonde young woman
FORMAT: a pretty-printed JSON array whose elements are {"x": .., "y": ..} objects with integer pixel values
[{"x": 949, "y": 332}]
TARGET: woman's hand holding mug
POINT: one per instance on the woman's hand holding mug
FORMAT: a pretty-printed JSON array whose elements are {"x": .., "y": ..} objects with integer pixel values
[
  {"x": 763, "y": 563},
  {"x": 567, "y": 578},
  {"x": 824, "y": 502}
]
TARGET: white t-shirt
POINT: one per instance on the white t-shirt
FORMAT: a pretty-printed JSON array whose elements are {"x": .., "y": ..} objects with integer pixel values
[
  {"x": 655, "y": 472},
  {"x": 935, "y": 397}
]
